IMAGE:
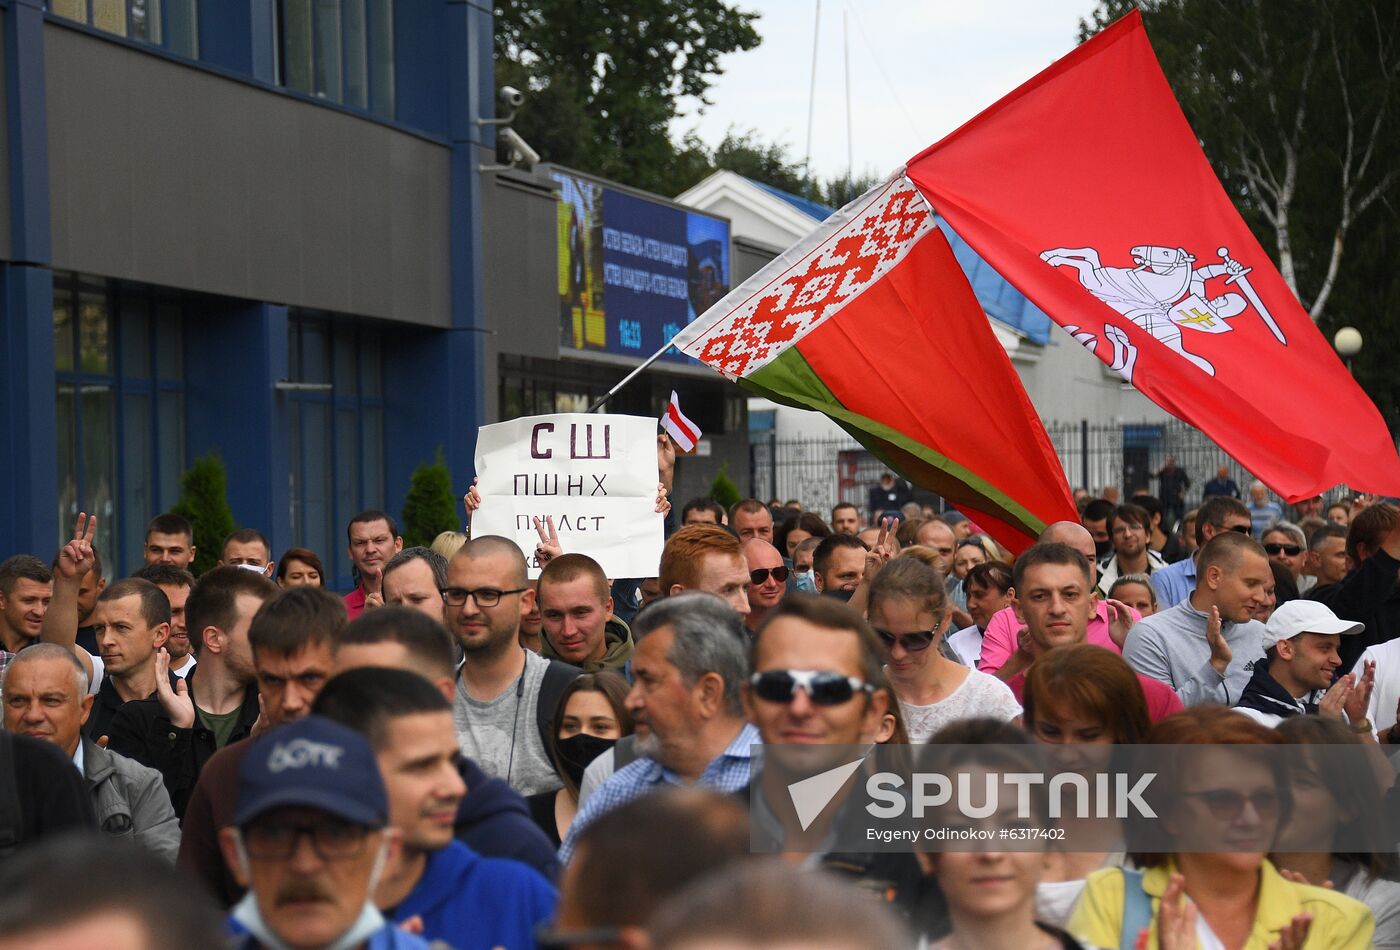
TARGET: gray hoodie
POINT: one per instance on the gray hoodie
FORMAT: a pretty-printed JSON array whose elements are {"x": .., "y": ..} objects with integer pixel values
[{"x": 1171, "y": 646}]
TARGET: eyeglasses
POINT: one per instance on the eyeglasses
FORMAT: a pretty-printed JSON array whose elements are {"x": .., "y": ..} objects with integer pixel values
[
  {"x": 1292, "y": 550},
  {"x": 484, "y": 596},
  {"x": 332, "y": 840},
  {"x": 913, "y": 642},
  {"x": 780, "y": 574},
  {"x": 549, "y": 939},
  {"x": 823, "y": 688},
  {"x": 1226, "y": 804}
]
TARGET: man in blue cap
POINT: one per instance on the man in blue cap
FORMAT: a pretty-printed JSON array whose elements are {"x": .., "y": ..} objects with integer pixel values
[{"x": 309, "y": 843}]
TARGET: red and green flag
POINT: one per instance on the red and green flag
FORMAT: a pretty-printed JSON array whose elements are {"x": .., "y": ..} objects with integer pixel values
[{"x": 870, "y": 321}]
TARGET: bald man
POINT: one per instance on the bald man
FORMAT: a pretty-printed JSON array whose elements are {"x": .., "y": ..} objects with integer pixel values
[
  {"x": 767, "y": 580},
  {"x": 999, "y": 639}
]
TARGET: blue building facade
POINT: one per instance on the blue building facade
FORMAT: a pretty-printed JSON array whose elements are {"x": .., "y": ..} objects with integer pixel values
[{"x": 244, "y": 226}]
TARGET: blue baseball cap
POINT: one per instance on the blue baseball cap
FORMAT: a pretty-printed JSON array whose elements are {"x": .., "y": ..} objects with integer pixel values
[{"x": 312, "y": 763}]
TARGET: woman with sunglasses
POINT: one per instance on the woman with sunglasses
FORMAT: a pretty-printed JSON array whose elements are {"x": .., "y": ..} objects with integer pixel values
[
  {"x": 909, "y": 611},
  {"x": 1342, "y": 814},
  {"x": 1207, "y": 795}
]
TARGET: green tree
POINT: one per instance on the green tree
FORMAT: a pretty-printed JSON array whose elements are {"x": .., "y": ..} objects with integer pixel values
[
  {"x": 1297, "y": 105},
  {"x": 605, "y": 77},
  {"x": 204, "y": 501},
  {"x": 723, "y": 489},
  {"x": 430, "y": 508}
]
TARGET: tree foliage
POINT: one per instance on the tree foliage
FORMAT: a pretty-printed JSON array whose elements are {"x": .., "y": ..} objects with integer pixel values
[
  {"x": 605, "y": 76},
  {"x": 204, "y": 502},
  {"x": 430, "y": 507},
  {"x": 723, "y": 489},
  {"x": 1297, "y": 105}
]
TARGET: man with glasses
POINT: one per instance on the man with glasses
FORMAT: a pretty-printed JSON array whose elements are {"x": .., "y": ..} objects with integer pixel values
[
  {"x": 576, "y": 611},
  {"x": 310, "y": 841},
  {"x": 1218, "y": 513},
  {"x": 767, "y": 581},
  {"x": 688, "y": 667},
  {"x": 1129, "y": 530},
  {"x": 1207, "y": 646},
  {"x": 506, "y": 695},
  {"x": 817, "y": 682},
  {"x": 1286, "y": 544},
  {"x": 373, "y": 540}
]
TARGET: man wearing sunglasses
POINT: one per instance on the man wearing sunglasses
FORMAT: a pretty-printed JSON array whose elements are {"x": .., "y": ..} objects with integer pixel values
[
  {"x": 1285, "y": 544},
  {"x": 1206, "y": 647},
  {"x": 817, "y": 682},
  {"x": 767, "y": 581},
  {"x": 1218, "y": 513},
  {"x": 310, "y": 840}
]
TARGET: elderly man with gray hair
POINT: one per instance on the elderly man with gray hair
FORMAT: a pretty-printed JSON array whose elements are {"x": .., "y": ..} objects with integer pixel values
[
  {"x": 688, "y": 667},
  {"x": 46, "y": 697}
]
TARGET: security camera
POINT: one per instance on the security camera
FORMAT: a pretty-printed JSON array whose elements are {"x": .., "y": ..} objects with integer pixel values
[
  {"x": 518, "y": 151},
  {"x": 509, "y": 97}
]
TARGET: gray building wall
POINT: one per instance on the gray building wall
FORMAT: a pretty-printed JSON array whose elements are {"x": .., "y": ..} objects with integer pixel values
[{"x": 185, "y": 179}]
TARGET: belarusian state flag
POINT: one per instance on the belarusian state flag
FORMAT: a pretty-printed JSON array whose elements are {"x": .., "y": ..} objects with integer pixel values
[
  {"x": 1087, "y": 189},
  {"x": 870, "y": 320}
]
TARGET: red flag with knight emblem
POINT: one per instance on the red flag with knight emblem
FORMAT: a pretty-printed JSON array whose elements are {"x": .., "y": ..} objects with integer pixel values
[{"x": 1086, "y": 188}]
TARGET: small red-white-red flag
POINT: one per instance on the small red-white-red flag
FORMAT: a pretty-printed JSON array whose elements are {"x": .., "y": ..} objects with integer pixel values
[{"x": 682, "y": 431}]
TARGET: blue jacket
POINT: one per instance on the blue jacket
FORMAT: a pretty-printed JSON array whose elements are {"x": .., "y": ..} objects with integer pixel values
[
  {"x": 472, "y": 902},
  {"x": 494, "y": 821}
]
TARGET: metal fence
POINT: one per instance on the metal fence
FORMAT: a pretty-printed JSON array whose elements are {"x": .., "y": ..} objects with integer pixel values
[{"x": 821, "y": 472}]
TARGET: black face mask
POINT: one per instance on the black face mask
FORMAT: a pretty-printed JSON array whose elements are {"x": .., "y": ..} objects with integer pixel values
[
  {"x": 1102, "y": 549},
  {"x": 841, "y": 595},
  {"x": 577, "y": 751}
]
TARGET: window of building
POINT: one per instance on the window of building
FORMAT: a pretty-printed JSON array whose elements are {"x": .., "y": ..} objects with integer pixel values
[
  {"x": 337, "y": 434},
  {"x": 166, "y": 23},
  {"x": 339, "y": 50},
  {"x": 119, "y": 357}
]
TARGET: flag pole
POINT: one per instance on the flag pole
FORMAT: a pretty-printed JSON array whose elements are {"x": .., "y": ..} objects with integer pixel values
[{"x": 631, "y": 376}]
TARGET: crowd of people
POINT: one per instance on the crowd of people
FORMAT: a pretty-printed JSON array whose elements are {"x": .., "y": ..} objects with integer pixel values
[{"x": 454, "y": 754}]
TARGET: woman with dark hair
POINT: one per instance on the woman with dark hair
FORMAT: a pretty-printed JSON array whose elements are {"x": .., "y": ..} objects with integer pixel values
[
  {"x": 792, "y": 533},
  {"x": 1077, "y": 696},
  {"x": 988, "y": 589},
  {"x": 1342, "y": 811},
  {"x": 299, "y": 566},
  {"x": 1207, "y": 795},
  {"x": 990, "y": 895},
  {"x": 592, "y": 715}
]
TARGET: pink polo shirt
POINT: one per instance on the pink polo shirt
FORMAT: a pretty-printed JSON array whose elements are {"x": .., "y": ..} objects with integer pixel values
[
  {"x": 999, "y": 639},
  {"x": 355, "y": 603}
]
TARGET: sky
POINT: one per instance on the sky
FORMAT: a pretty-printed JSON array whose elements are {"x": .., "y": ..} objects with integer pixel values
[{"x": 919, "y": 69}]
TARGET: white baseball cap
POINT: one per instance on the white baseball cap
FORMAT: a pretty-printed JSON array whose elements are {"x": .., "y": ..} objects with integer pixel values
[{"x": 1305, "y": 616}]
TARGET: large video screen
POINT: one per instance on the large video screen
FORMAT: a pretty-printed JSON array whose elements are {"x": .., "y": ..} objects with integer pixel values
[{"x": 633, "y": 271}]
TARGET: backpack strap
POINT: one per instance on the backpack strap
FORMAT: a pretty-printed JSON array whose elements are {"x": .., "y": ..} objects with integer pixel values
[
  {"x": 1137, "y": 909},
  {"x": 11, "y": 816},
  {"x": 556, "y": 677}
]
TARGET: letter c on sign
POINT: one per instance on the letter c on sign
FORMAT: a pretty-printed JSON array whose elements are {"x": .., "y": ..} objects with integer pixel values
[{"x": 535, "y": 452}]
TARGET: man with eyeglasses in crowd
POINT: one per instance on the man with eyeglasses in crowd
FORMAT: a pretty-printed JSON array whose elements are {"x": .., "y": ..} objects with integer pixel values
[
  {"x": 506, "y": 694},
  {"x": 310, "y": 841},
  {"x": 1218, "y": 513},
  {"x": 767, "y": 581},
  {"x": 688, "y": 667}
]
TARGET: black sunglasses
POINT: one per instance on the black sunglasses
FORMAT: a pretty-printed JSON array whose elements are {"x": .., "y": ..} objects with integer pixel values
[
  {"x": 1226, "y": 804},
  {"x": 914, "y": 642},
  {"x": 1242, "y": 529},
  {"x": 1292, "y": 550},
  {"x": 823, "y": 688},
  {"x": 780, "y": 574}
]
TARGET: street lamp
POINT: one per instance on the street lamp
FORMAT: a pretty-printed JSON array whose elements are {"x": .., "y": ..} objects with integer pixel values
[{"x": 1348, "y": 343}]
